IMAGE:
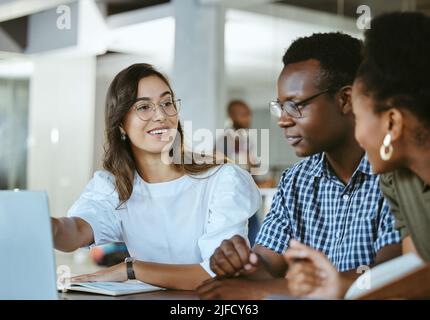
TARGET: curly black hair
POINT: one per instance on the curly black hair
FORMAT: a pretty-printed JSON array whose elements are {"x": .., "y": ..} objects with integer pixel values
[
  {"x": 396, "y": 64},
  {"x": 339, "y": 56}
]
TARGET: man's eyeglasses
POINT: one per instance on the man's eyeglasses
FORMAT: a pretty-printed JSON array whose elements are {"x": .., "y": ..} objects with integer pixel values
[
  {"x": 293, "y": 109},
  {"x": 145, "y": 109}
]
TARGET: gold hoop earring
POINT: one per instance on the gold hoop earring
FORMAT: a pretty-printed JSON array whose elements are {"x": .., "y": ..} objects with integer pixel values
[{"x": 386, "y": 150}]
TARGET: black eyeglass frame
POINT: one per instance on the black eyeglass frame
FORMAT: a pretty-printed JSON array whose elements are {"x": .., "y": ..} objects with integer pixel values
[{"x": 295, "y": 105}]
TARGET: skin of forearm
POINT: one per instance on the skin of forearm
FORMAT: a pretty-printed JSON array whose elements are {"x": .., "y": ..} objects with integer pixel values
[
  {"x": 67, "y": 235},
  {"x": 264, "y": 272},
  {"x": 172, "y": 276},
  {"x": 351, "y": 274},
  {"x": 272, "y": 287},
  {"x": 272, "y": 264},
  {"x": 277, "y": 272},
  {"x": 347, "y": 279}
]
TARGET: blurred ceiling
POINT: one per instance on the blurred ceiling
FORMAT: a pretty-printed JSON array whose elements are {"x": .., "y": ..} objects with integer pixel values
[
  {"x": 349, "y": 7},
  {"x": 343, "y": 7},
  {"x": 120, "y": 6}
]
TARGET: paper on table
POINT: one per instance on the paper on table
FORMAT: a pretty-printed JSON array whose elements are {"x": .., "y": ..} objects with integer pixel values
[{"x": 113, "y": 288}]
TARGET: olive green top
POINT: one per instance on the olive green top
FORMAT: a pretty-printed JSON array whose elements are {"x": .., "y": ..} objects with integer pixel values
[{"x": 409, "y": 199}]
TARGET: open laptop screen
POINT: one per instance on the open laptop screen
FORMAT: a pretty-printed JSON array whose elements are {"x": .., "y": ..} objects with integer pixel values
[{"x": 27, "y": 268}]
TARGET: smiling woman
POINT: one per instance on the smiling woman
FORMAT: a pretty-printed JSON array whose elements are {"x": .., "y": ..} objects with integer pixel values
[
  {"x": 171, "y": 215},
  {"x": 131, "y": 111}
]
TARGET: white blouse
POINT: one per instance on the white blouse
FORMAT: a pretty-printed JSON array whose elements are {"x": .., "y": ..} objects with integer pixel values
[{"x": 176, "y": 222}]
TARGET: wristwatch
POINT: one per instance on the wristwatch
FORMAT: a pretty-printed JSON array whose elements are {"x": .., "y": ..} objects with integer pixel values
[{"x": 130, "y": 272}]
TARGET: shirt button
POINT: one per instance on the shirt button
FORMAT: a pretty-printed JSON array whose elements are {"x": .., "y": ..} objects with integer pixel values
[
  {"x": 345, "y": 197},
  {"x": 338, "y": 234}
]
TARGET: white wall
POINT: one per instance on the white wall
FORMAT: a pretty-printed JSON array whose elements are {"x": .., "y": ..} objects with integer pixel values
[
  {"x": 62, "y": 92},
  {"x": 13, "y": 132}
]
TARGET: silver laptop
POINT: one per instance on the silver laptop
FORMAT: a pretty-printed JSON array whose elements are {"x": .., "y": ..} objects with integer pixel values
[{"x": 27, "y": 264}]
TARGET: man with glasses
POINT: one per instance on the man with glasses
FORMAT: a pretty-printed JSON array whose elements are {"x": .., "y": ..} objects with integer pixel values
[{"x": 329, "y": 201}]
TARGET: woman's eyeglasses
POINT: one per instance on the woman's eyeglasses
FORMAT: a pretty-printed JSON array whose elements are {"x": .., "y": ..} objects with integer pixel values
[{"x": 145, "y": 109}]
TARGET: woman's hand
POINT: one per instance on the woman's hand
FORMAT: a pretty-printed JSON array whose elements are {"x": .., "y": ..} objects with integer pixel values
[
  {"x": 303, "y": 278},
  {"x": 117, "y": 273},
  {"x": 312, "y": 274}
]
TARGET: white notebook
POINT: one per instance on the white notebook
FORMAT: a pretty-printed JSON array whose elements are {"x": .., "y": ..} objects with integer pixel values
[
  {"x": 383, "y": 274},
  {"x": 111, "y": 288}
]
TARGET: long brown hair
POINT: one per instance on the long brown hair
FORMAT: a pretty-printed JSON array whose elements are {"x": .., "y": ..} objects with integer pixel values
[{"x": 118, "y": 157}]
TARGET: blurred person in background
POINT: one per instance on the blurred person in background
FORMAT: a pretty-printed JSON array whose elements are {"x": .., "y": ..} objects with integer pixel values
[{"x": 237, "y": 145}]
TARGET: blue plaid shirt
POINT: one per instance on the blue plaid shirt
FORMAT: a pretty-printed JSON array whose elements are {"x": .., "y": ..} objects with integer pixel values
[{"x": 349, "y": 224}]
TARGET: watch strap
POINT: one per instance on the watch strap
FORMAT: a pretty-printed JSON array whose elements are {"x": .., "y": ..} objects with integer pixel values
[{"x": 130, "y": 271}]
